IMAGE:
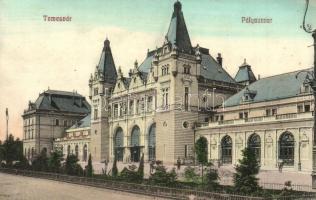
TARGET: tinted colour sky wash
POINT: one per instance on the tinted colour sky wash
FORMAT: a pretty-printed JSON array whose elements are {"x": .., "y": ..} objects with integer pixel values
[{"x": 36, "y": 54}]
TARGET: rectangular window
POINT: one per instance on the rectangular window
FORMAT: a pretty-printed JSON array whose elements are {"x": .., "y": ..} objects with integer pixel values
[
  {"x": 57, "y": 122},
  {"x": 95, "y": 114},
  {"x": 65, "y": 123},
  {"x": 274, "y": 111},
  {"x": 115, "y": 110},
  {"x": 131, "y": 107},
  {"x": 307, "y": 108},
  {"x": 241, "y": 115},
  {"x": 149, "y": 103},
  {"x": 268, "y": 112},
  {"x": 186, "y": 98},
  {"x": 246, "y": 115},
  {"x": 300, "y": 108},
  {"x": 222, "y": 117},
  {"x": 186, "y": 151}
]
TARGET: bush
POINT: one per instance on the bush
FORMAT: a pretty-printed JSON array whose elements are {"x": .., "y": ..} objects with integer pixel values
[
  {"x": 22, "y": 164},
  {"x": 190, "y": 175},
  {"x": 131, "y": 175},
  {"x": 162, "y": 177},
  {"x": 89, "y": 167},
  {"x": 40, "y": 163},
  {"x": 211, "y": 179},
  {"x": 54, "y": 161},
  {"x": 72, "y": 167}
]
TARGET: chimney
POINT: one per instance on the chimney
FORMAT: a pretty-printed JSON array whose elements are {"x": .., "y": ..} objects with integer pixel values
[{"x": 219, "y": 59}]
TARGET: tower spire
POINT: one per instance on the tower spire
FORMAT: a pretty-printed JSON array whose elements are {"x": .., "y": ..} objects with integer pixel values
[
  {"x": 178, "y": 33},
  {"x": 106, "y": 66}
]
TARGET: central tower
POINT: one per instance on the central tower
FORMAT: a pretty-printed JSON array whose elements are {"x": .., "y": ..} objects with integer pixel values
[{"x": 101, "y": 84}]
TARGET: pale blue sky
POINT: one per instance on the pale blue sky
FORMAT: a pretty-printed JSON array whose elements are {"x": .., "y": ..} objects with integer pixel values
[{"x": 220, "y": 18}]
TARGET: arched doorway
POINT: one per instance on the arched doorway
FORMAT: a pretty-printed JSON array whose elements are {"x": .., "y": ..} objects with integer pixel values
[
  {"x": 118, "y": 144},
  {"x": 85, "y": 153},
  {"x": 135, "y": 144},
  {"x": 226, "y": 145},
  {"x": 254, "y": 144},
  {"x": 286, "y": 148},
  {"x": 152, "y": 142}
]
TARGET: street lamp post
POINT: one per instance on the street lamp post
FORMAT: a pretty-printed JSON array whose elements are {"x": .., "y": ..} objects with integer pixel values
[{"x": 308, "y": 29}]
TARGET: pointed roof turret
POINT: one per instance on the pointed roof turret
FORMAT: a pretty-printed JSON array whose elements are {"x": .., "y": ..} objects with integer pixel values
[
  {"x": 106, "y": 64},
  {"x": 178, "y": 33},
  {"x": 245, "y": 74}
]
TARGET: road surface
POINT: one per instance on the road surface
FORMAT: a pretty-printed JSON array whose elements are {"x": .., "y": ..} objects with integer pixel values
[{"x": 27, "y": 188}]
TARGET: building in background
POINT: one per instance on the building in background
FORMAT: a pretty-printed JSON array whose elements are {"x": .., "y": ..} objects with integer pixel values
[
  {"x": 76, "y": 140},
  {"x": 48, "y": 117}
]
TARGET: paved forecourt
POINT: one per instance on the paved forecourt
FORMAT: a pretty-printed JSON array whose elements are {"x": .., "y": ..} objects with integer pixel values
[{"x": 21, "y": 187}]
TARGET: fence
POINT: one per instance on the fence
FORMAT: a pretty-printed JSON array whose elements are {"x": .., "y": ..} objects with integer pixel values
[{"x": 150, "y": 190}]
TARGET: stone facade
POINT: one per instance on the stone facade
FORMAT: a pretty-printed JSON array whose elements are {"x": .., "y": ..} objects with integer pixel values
[
  {"x": 48, "y": 118},
  {"x": 153, "y": 110},
  {"x": 279, "y": 130}
]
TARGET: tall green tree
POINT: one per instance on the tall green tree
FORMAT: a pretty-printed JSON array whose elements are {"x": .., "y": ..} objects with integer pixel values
[
  {"x": 40, "y": 163},
  {"x": 11, "y": 150},
  {"x": 72, "y": 167},
  {"x": 201, "y": 150},
  {"x": 114, "y": 167},
  {"x": 245, "y": 179},
  {"x": 89, "y": 167},
  {"x": 141, "y": 167},
  {"x": 54, "y": 161}
]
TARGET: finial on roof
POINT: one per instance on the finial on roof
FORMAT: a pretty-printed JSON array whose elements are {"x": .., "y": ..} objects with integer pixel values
[
  {"x": 177, "y": 6},
  {"x": 135, "y": 64},
  {"x": 106, "y": 41}
]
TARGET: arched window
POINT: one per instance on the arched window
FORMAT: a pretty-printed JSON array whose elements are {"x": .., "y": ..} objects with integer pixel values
[
  {"x": 135, "y": 136},
  {"x": 226, "y": 145},
  {"x": 32, "y": 153},
  {"x": 68, "y": 150},
  {"x": 254, "y": 144},
  {"x": 29, "y": 154},
  {"x": 286, "y": 148},
  {"x": 85, "y": 152},
  {"x": 118, "y": 144},
  {"x": 135, "y": 144},
  {"x": 152, "y": 142},
  {"x": 77, "y": 151}
]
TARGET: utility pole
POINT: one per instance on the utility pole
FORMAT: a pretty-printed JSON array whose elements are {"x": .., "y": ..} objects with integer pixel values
[
  {"x": 312, "y": 81},
  {"x": 7, "y": 118}
]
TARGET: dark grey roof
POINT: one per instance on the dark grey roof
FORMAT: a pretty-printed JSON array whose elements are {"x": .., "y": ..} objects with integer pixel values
[
  {"x": 211, "y": 70},
  {"x": 271, "y": 88},
  {"x": 61, "y": 101},
  {"x": 106, "y": 64},
  {"x": 83, "y": 123},
  {"x": 146, "y": 65},
  {"x": 245, "y": 74},
  {"x": 178, "y": 33}
]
